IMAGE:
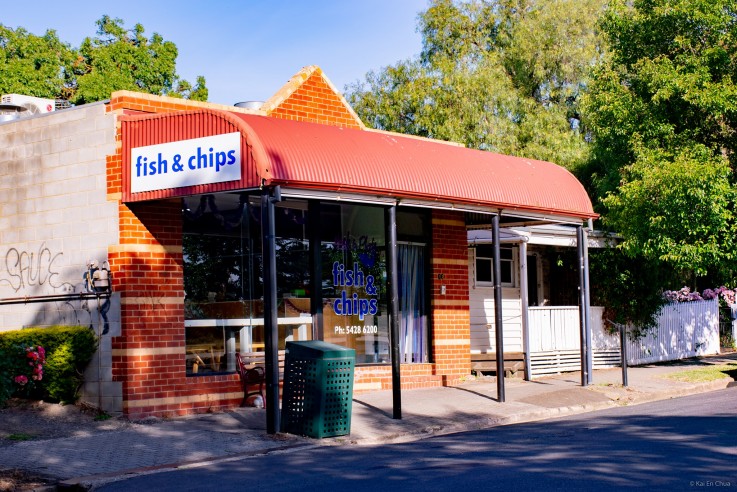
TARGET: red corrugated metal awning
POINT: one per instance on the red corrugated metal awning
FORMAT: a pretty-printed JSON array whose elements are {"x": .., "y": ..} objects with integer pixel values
[{"x": 320, "y": 157}]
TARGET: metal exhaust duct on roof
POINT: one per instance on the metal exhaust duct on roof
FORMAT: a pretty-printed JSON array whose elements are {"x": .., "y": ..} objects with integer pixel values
[
  {"x": 10, "y": 112},
  {"x": 249, "y": 104}
]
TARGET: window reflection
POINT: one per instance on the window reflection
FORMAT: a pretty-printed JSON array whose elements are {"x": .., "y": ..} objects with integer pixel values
[{"x": 223, "y": 278}]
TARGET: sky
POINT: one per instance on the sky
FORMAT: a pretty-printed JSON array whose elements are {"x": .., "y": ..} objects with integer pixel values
[{"x": 248, "y": 49}]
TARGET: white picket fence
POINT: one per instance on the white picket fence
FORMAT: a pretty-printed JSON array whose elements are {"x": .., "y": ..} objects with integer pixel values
[{"x": 684, "y": 330}]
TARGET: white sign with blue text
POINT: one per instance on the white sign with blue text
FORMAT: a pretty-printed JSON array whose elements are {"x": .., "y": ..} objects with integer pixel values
[{"x": 186, "y": 163}]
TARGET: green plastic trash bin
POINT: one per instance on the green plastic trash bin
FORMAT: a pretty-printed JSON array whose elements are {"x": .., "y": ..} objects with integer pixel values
[{"x": 318, "y": 389}]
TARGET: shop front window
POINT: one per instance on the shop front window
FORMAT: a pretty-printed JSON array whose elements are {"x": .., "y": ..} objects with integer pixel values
[
  {"x": 223, "y": 279},
  {"x": 354, "y": 280},
  {"x": 223, "y": 299}
]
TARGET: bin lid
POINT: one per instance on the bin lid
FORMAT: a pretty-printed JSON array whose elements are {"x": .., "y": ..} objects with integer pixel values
[{"x": 317, "y": 349}]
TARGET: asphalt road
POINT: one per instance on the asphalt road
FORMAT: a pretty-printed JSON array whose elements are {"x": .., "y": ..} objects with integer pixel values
[{"x": 687, "y": 443}]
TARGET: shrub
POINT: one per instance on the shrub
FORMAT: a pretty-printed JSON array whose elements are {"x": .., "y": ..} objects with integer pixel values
[{"x": 68, "y": 350}]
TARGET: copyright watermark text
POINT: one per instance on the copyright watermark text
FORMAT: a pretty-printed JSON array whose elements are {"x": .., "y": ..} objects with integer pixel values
[{"x": 710, "y": 483}]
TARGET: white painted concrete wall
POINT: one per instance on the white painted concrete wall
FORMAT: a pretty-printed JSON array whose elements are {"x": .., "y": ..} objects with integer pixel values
[{"x": 54, "y": 217}]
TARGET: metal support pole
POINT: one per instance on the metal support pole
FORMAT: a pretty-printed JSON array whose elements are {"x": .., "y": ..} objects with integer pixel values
[
  {"x": 496, "y": 272},
  {"x": 525, "y": 307},
  {"x": 271, "y": 323},
  {"x": 390, "y": 218},
  {"x": 313, "y": 226},
  {"x": 584, "y": 339},
  {"x": 587, "y": 308},
  {"x": 623, "y": 345}
]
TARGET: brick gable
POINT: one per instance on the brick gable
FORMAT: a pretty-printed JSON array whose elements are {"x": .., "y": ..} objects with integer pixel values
[{"x": 310, "y": 96}]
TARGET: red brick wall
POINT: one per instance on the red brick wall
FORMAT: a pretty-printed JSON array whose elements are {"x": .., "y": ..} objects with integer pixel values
[
  {"x": 148, "y": 357},
  {"x": 451, "y": 340},
  {"x": 413, "y": 376},
  {"x": 317, "y": 102}
]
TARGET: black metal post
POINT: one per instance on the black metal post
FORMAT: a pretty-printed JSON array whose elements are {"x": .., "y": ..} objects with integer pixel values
[
  {"x": 582, "y": 307},
  {"x": 392, "y": 289},
  {"x": 271, "y": 323},
  {"x": 587, "y": 308},
  {"x": 623, "y": 344},
  {"x": 313, "y": 227},
  {"x": 497, "y": 274}
]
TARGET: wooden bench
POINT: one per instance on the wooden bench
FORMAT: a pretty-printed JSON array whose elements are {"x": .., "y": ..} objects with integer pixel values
[
  {"x": 513, "y": 363},
  {"x": 251, "y": 367}
]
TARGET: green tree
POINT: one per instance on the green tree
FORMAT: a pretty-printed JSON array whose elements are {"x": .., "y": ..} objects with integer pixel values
[
  {"x": 118, "y": 59},
  {"x": 115, "y": 59},
  {"x": 33, "y": 65},
  {"x": 493, "y": 75},
  {"x": 661, "y": 111}
]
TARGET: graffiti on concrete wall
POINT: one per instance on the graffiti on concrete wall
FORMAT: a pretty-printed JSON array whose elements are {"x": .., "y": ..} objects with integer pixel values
[
  {"x": 21, "y": 269},
  {"x": 24, "y": 270}
]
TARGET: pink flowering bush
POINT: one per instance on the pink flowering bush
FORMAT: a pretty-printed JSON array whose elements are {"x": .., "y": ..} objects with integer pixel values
[
  {"x": 44, "y": 363},
  {"x": 21, "y": 371},
  {"x": 725, "y": 295},
  {"x": 30, "y": 370}
]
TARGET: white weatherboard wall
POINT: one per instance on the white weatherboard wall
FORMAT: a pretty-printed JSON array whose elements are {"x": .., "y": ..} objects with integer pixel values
[
  {"x": 483, "y": 334},
  {"x": 54, "y": 217}
]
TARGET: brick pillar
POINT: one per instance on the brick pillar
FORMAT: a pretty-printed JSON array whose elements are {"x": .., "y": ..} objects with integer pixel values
[
  {"x": 451, "y": 335},
  {"x": 148, "y": 357}
]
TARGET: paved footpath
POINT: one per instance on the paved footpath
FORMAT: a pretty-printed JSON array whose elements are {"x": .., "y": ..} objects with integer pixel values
[{"x": 80, "y": 462}]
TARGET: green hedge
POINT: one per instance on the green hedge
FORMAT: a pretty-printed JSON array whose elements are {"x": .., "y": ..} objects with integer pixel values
[{"x": 68, "y": 351}]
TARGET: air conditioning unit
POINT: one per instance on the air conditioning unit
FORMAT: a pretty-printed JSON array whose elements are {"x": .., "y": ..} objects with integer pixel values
[{"x": 34, "y": 105}]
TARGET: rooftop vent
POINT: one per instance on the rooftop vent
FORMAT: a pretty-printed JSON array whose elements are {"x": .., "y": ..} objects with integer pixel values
[{"x": 249, "y": 104}]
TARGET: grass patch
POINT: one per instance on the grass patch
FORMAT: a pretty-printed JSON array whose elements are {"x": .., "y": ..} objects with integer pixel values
[
  {"x": 705, "y": 374},
  {"x": 103, "y": 416},
  {"x": 20, "y": 436}
]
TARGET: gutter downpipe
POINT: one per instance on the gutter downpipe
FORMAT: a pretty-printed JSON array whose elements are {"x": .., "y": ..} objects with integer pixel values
[{"x": 525, "y": 307}]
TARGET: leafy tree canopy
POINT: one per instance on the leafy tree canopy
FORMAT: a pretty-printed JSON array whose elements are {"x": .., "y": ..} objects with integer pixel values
[
  {"x": 662, "y": 111},
  {"x": 33, "y": 65},
  {"x": 493, "y": 75},
  {"x": 115, "y": 59}
]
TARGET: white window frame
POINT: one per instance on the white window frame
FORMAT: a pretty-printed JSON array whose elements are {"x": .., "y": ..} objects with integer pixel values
[{"x": 514, "y": 267}]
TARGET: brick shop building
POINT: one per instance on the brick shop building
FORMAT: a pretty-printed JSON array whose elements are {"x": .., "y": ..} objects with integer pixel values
[{"x": 205, "y": 212}]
